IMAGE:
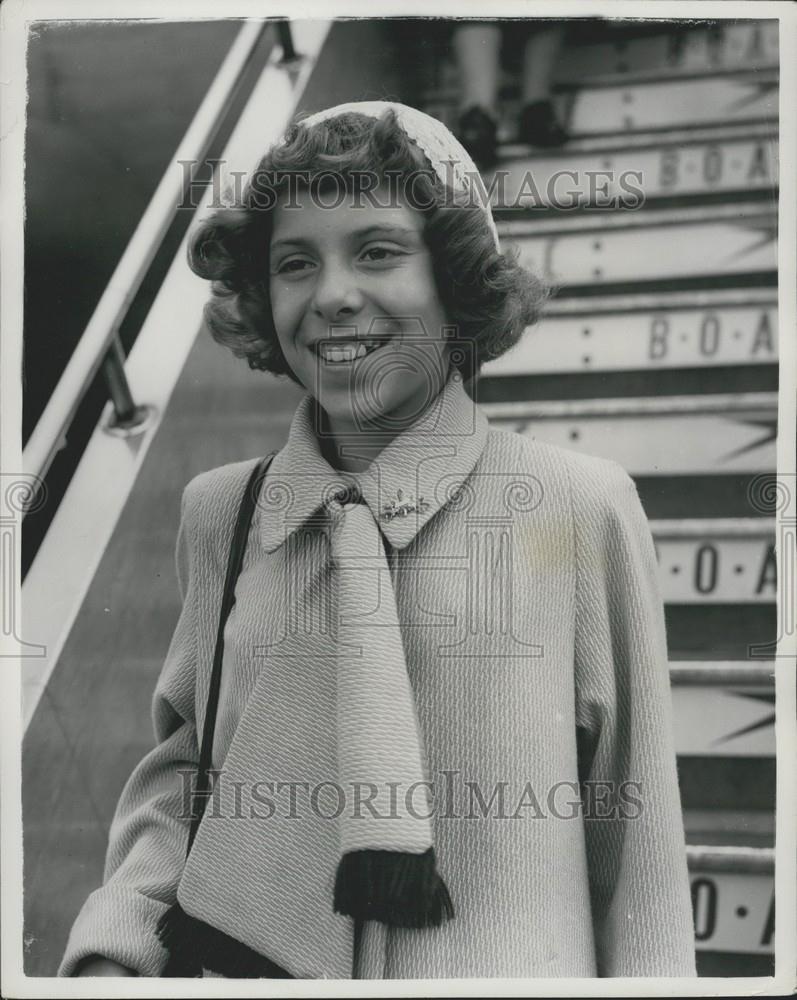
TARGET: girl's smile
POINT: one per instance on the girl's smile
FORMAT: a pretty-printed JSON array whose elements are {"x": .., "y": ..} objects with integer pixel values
[
  {"x": 340, "y": 349},
  {"x": 356, "y": 309}
]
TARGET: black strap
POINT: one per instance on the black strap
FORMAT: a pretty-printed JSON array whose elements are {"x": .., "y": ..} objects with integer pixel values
[{"x": 245, "y": 512}]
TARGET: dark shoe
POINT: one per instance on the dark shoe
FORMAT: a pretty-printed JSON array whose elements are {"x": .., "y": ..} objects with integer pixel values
[
  {"x": 538, "y": 125},
  {"x": 478, "y": 133}
]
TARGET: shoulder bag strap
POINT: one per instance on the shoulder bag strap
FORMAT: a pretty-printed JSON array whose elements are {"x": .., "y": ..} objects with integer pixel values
[{"x": 245, "y": 512}]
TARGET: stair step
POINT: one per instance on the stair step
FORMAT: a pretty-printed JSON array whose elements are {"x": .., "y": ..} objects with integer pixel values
[
  {"x": 649, "y": 436},
  {"x": 641, "y": 106},
  {"x": 630, "y": 177},
  {"x": 725, "y": 45},
  {"x": 719, "y": 134},
  {"x": 733, "y": 898},
  {"x": 723, "y": 708},
  {"x": 648, "y": 248},
  {"x": 632, "y": 107},
  {"x": 701, "y": 50},
  {"x": 729, "y": 331},
  {"x": 716, "y": 560}
]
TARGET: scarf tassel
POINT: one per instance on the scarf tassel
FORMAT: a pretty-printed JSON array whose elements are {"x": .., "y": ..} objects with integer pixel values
[
  {"x": 393, "y": 887},
  {"x": 194, "y": 945}
]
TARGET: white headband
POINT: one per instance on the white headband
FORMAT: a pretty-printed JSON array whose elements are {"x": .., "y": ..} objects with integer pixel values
[{"x": 448, "y": 157}]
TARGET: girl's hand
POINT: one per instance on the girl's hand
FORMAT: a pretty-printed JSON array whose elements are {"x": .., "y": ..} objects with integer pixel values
[{"x": 104, "y": 967}]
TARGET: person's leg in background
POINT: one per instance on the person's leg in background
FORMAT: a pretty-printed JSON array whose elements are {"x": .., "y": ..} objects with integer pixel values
[
  {"x": 477, "y": 48},
  {"x": 538, "y": 124}
]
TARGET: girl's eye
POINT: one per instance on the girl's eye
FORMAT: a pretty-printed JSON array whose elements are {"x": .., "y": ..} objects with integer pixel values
[
  {"x": 293, "y": 266},
  {"x": 380, "y": 253}
]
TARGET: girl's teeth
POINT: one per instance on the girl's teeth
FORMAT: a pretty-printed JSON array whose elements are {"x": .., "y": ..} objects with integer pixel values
[{"x": 346, "y": 352}]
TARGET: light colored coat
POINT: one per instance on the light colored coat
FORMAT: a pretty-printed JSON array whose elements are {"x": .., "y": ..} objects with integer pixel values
[{"x": 527, "y": 589}]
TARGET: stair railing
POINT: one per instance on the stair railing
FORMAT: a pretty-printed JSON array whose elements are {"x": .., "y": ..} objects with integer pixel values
[{"x": 100, "y": 345}]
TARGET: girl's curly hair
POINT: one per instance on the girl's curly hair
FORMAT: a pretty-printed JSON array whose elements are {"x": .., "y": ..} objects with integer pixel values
[{"x": 486, "y": 294}]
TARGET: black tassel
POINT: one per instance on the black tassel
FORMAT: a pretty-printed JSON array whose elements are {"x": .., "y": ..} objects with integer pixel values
[
  {"x": 393, "y": 887},
  {"x": 194, "y": 945}
]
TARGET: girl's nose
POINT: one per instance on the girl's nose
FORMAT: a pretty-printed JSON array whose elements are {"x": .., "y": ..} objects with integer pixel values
[{"x": 336, "y": 294}]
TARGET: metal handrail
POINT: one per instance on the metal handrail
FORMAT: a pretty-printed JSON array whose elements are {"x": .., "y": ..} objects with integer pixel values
[{"x": 99, "y": 338}]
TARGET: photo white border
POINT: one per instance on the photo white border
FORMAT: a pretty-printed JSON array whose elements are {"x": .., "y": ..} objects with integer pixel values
[{"x": 14, "y": 14}]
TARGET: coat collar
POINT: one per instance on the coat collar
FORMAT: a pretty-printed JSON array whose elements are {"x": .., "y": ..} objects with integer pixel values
[{"x": 415, "y": 475}]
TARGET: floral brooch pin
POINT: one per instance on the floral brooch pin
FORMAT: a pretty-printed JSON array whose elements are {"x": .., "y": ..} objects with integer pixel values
[{"x": 402, "y": 506}]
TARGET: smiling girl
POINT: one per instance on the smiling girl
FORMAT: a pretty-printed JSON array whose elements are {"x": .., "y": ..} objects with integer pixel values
[{"x": 442, "y": 745}]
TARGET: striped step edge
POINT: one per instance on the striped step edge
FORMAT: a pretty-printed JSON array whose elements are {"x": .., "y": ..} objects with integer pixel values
[
  {"x": 658, "y": 339},
  {"x": 738, "y": 212},
  {"x": 748, "y": 44},
  {"x": 719, "y": 527},
  {"x": 715, "y": 403},
  {"x": 690, "y": 52},
  {"x": 628, "y": 107},
  {"x": 665, "y": 302},
  {"x": 736, "y": 433},
  {"x": 641, "y": 140},
  {"x": 717, "y": 673},
  {"x": 639, "y": 78},
  {"x": 510, "y": 89},
  {"x": 718, "y": 858}
]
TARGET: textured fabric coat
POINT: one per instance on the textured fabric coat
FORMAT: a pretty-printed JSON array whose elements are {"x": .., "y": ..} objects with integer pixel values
[{"x": 527, "y": 588}]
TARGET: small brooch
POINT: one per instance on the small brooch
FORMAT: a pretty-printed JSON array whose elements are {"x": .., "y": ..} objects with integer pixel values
[{"x": 401, "y": 507}]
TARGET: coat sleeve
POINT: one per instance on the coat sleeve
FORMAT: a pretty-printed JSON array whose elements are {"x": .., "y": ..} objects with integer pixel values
[
  {"x": 149, "y": 831},
  {"x": 636, "y": 854}
]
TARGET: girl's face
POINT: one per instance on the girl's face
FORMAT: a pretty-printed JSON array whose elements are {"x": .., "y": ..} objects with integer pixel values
[{"x": 356, "y": 308}]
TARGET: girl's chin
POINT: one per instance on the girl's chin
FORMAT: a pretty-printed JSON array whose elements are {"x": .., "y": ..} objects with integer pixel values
[{"x": 389, "y": 413}]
